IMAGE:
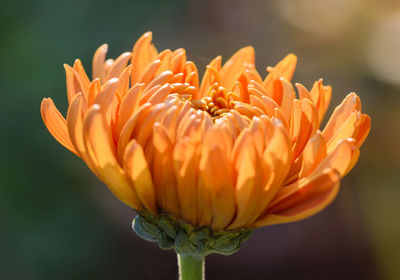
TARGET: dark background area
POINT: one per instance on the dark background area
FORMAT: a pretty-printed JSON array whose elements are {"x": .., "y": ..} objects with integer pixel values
[{"x": 57, "y": 221}]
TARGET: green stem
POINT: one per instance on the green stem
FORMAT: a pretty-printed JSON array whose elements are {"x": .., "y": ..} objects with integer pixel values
[{"x": 190, "y": 267}]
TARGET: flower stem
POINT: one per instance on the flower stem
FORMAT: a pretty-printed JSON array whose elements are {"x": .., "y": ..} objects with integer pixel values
[{"x": 190, "y": 267}]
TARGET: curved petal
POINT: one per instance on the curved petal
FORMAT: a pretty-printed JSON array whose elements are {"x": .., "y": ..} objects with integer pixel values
[
  {"x": 348, "y": 129},
  {"x": 300, "y": 129},
  {"x": 56, "y": 124},
  {"x": 74, "y": 82},
  {"x": 215, "y": 162},
  {"x": 142, "y": 54},
  {"x": 364, "y": 126},
  {"x": 208, "y": 77},
  {"x": 249, "y": 179},
  {"x": 81, "y": 71},
  {"x": 313, "y": 154},
  {"x": 128, "y": 128},
  {"x": 340, "y": 158},
  {"x": 302, "y": 199},
  {"x": 100, "y": 147},
  {"x": 236, "y": 65},
  {"x": 128, "y": 106},
  {"x": 288, "y": 95},
  {"x": 275, "y": 164},
  {"x": 119, "y": 65},
  {"x": 136, "y": 167},
  {"x": 186, "y": 165},
  {"x": 98, "y": 62},
  {"x": 178, "y": 60},
  {"x": 285, "y": 68},
  {"x": 75, "y": 130},
  {"x": 350, "y": 104},
  {"x": 163, "y": 171}
]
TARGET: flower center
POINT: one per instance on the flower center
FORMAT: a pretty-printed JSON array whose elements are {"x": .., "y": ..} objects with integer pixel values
[
  {"x": 214, "y": 106},
  {"x": 217, "y": 101}
]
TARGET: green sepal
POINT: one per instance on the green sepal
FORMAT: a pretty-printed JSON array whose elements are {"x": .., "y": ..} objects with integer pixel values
[
  {"x": 164, "y": 241},
  {"x": 144, "y": 229},
  {"x": 168, "y": 226},
  {"x": 186, "y": 239}
]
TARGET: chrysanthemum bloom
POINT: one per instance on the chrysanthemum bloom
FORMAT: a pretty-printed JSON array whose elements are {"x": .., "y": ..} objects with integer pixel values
[{"x": 204, "y": 161}]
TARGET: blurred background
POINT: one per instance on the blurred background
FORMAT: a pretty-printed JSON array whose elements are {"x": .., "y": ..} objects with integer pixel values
[{"x": 57, "y": 221}]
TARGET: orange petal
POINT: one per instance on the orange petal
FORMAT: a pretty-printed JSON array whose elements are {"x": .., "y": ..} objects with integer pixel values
[
  {"x": 208, "y": 78},
  {"x": 327, "y": 91},
  {"x": 278, "y": 156},
  {"x": 147, "y": 94},
  {"x": 288, "y": 95},
  {"x": 354, "y": 159},
  {"x": 320, "y": 96},
  {"x": 142, "y": 55},
  {"x": 312, "y": 115},
  {"x": 123, "y": 85},
  {"x": 56, "y": 124},
  {"x": 350, "y": 104},
  {"x": 144, "y": 130},
  {"x": 285, "y": 68},
  {"x": 75, "y": 130},
  {"x": 136, "y": 167},
  {"x": 249, "y": 180},
  {"x": 98, "y": 62},
  {"x": 159, "y": 80},
  {"x": 257, "y": 102},
  {"x": 128, "y": 105},
  {"x": 119, "y": 65},
  {"x": 165, "y": 58},
  {"x": 186, "y": 165},
  {"x": 302, "y": 199},
  {"x": 128, "y": 128},
  {"x": 190, "y": 127},
  {"x": 74, "y": 81},
  {"x": 168, "y": 120},
  {"x": 214, "y": 162},
  {"x": 300, "y": 129},
  {"x": 252, "y": 74},
  {"x": 192, "y": 77},
  {"x": 234, "y": 67},
  {"x": 160, "y": 95},
  {"x": 275, "y": 163},
  {"x": 248, "y": 110},
  {"x": 340, "y": 158},
  {"x": 364, "y": 126},
  {"x": 258, "y": 134},
  {"x": 347, "y": 130},
  {"x": 149, "y": 72},
  {"x": 178, "y": 61},
  {"x": 313, "y": 154},
  {"x": 94, "y": 90},
  {"x": 100, "y": 146},
  {"x": 273, "y": 86},
  {"x": 105, "y": 97},
  {"x": 163, "y": 171},
  {"x": 303, "y": 92},
  {"x": 84, "y": 78}
]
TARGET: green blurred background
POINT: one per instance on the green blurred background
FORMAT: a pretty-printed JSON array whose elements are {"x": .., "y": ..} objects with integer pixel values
[{"x": 57, "y": 221}]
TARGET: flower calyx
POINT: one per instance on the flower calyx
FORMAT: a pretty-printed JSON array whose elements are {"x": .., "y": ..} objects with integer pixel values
[{"x": 186, "y": 239}]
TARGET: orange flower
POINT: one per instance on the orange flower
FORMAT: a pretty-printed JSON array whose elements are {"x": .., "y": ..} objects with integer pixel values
[{"x": 234, "y": 151}]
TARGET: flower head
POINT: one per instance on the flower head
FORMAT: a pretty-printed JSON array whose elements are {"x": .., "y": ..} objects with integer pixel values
[{"x": 232, "y": 151}]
